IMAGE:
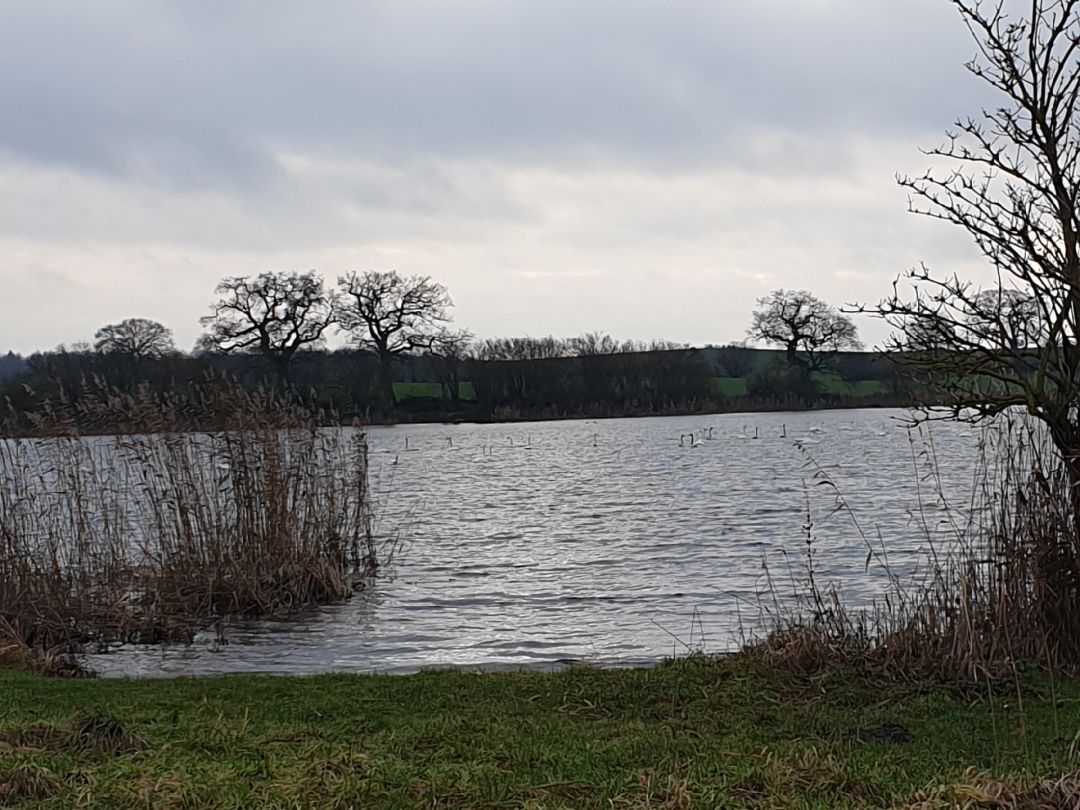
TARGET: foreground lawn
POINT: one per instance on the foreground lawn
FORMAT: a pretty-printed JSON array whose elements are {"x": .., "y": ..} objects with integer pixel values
[{"x": 689, "y": 734}]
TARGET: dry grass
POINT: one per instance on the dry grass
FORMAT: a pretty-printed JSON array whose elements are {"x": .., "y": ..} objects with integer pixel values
[
  {"x": 669, "y": 791},
  {"x": 28, "y": 782},
  {"x": 150, "y": 536},
  {"x": 809, "y": 771},
  {"x": 86, "y": 733},
  {"x": 984, "y": 792},
  {"x": 1006, "y": 591}
]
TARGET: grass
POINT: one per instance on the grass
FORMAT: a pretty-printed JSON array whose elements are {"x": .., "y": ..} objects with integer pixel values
[
  {"x": 729, "y": 386},
  {"x": 430, "y": 390},
  {"x": 693, "y": 733}
]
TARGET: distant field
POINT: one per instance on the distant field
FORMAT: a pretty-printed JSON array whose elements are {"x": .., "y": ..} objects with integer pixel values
[
  {"x": 410, "y": 390},
  {"x": 729, "y": 386}
]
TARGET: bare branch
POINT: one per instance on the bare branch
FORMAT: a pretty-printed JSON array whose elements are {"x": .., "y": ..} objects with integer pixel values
[{"x": 809, "y": 330}]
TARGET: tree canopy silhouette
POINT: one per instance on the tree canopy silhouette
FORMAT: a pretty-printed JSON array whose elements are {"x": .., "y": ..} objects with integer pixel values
[
  {"x": 808, "y": 330},
  {"x": 273, "y": 314},
  {"x": 135, "y": 337},
  {"x": 393, "y": 314}
]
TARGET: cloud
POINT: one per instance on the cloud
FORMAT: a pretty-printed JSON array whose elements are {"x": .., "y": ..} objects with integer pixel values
[
  {"x": 643, "y": 168},
  {"x": 204, "y": 96}
]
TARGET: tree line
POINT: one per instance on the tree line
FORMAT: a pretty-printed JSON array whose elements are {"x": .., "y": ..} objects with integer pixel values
[
  {"x": 1011, "y": 182},
  {"x": 404, "y": 356}
]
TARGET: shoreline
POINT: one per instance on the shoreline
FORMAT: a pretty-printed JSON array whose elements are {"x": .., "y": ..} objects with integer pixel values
[
  {"x": 862, "y": 403},
  {"x": 427, "y": 418}
]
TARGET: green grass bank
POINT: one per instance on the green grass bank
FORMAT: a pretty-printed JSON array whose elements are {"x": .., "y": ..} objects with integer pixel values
[{"x": 693, "y": 733}]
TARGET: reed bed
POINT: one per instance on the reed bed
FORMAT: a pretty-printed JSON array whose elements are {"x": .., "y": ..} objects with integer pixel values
[
  {"x": 152, "y": 535},
  {"x": 1003, "y": 591}
]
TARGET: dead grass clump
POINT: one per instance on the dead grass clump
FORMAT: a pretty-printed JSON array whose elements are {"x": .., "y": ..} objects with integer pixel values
[
  {"x": 804, "y": 650},
  {"x": 148, "y": 537},
  {"x": 93, "y": 732},
  {"x": 982, "y": 791},
  {"x": 809, "y": 773},
  {"x": 657, "y": 789},
  {"x": 85, "y": 733},
  {"x": 15, "y": 653},
  {"x": 28, "y": 782},
  {"x": 37, "y": 737}
]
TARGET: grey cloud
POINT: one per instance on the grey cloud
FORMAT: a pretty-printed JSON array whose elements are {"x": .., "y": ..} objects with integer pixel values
[
  {"x": 648, "y": 168},
  {"x": 202, "y": 94}
]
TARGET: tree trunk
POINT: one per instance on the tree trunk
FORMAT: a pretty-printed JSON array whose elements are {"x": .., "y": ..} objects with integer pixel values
[
  {"x": 281, "y": 372},
  {"x": 1071, "y": 456},
  {"x": 386, "y": 380},
  {"x": 455, "y": 384},
  {"x": 792, "y": 352}
]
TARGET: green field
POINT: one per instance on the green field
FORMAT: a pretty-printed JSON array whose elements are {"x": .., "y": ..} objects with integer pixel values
[
  {"x": 694, "y": 733},
  {"x": 410, "y": 390},
  {"x": 729, "y": 386}
]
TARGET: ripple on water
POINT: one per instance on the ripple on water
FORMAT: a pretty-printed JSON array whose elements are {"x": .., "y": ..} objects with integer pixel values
[{"x": 526, "y": 545}]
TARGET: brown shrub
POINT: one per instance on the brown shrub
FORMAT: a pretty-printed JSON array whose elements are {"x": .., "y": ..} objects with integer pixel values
[{"x": 147, "y": 537}]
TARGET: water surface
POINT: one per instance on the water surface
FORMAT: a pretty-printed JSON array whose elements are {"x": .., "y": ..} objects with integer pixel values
[{"x": 611, "y": 541}]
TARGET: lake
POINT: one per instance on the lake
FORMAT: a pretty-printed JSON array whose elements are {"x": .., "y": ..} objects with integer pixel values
[{"x": 614, "y": 542}]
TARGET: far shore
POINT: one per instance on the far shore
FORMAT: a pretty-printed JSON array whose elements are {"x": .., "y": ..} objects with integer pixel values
[{"x": 737, "y": 405}]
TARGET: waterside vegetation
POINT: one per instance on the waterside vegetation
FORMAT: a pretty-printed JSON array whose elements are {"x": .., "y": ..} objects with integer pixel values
[{"x": 152, "y": 535}]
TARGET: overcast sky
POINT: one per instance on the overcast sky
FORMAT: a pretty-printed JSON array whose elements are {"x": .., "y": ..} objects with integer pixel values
[{"x": 645, "y": 169}]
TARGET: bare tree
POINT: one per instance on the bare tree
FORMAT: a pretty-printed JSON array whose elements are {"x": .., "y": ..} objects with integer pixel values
[
  {"x": 659, "y": 345},
  {"x": 449, "y": 351},
  {"x": 592, "y": 344},
  {"x": 273, "y": 314},
  {"x": 522, "y": 348},
  {"x": 392, "y": 314},
  {"x": 1016, "y": 320},
  {"x": 810, "y": 331},
  {"x": 136, "y": 338},
  {"x": 1011, "y": 180}
]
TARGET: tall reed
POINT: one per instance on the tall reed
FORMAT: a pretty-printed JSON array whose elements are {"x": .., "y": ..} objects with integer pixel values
[
  {"x": 1003, "y": 589},
  {"x": 151, "y": 535}
]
